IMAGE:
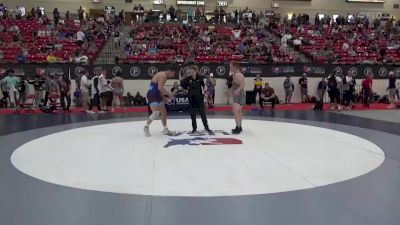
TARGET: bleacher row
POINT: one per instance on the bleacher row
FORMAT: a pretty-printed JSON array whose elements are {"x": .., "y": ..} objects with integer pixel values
[
  {"x": 34, "y": 44},
  {"x": 328, "y": 39},
  {"x": 198, "y": 54}
]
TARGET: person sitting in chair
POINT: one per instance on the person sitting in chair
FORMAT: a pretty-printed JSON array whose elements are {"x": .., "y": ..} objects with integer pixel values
[{"x": 267, "y": 95}]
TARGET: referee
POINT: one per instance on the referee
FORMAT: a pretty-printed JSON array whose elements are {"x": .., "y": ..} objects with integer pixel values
[{"x": 194, "y": 83}]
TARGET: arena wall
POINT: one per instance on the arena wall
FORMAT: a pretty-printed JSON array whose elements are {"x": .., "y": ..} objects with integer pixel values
[{"x": 133, "y": 86}]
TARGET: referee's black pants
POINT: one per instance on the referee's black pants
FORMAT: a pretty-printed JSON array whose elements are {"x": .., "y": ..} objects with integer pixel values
[{"x": 197, "y": 105}]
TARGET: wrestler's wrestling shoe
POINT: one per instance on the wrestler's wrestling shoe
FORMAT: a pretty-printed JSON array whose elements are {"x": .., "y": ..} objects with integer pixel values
[
  {"x": 237, "y": 130},
  {"x": 146, "y": 130},
  {"x": 210, "y": 132},
  {"x": 166, "y": 131},
  {"x": 192, "y": 132}
]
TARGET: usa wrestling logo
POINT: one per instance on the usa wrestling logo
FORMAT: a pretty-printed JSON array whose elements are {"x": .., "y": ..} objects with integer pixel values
[{"x": 202, "y": 139}]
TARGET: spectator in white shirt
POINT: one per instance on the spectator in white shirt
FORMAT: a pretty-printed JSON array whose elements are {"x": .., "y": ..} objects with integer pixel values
[
  {"x": 236, "y": 34},
  {"x": 85, "y": 95},
  {"x": 297, "y": 42},
  {"x": 106, "y": 91},
  {"x": 80, "y": 58},
  {"x": 80, "y": 38}
]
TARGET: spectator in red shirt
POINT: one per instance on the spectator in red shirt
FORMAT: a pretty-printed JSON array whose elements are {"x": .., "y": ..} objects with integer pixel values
[{"x": 367, "y": 90}]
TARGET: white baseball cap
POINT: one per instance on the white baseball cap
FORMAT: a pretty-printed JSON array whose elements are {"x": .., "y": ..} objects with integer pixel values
[{"x": 211, "y": 74}]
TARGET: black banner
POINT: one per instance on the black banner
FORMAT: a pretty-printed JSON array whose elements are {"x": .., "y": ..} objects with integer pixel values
[
  {"x": 144, "y": 71},
  {"x": 31, "y": 70}
]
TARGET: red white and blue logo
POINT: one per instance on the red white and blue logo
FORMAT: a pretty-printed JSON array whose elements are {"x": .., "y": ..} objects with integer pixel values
[{"x": 203, "y": 141}]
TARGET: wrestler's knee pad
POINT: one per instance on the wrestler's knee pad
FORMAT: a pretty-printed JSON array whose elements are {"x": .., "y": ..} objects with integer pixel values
[{"x": 155, "y": 115}]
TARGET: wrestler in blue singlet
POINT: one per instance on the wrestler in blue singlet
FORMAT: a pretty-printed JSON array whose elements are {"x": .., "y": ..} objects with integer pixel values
[{"x": 154, "y": 95}]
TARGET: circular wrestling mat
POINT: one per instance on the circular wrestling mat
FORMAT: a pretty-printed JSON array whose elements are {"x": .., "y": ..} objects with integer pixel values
[{"x": 269, "y": 157}]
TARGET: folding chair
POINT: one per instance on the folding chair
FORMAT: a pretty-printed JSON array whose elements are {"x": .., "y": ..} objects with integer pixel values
[
  {"x": 28, "y": 104},
  {"x": 53, "y": 101}
]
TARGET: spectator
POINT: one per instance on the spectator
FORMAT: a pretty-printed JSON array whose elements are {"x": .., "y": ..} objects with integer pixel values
[
  {"x": 351, "y": 52},
  {"x": 117, "y": 39},
  {"x": 106, "y": 91},
  {"x": 21, "y": 58},
  {"x": 80, "y": 58},
  {"x": 288, "y": 86},
  {"x": 345, "y": 46},
  {"x": 303, "y": 82},
  {"x": 392, "y": 90},
  {"x": 67, "y": 15},
  {"x": 65, "y": 92},
  {"x": 51, "y": 58},
  {"x": 321, "y": 89},
  {"x": 117, "y": 84},
  {"x": 349, "y": 83},
  {"x": 175, "y": 87},
  {"x": 333, "y": 92},
  {"x": 85, "y": 95},
  {"x": 38, "y": 12},
  {"x": 51, "y": 88},
  {"x": 4, "y": 101},
  {"x": 11, "y": 81},
  {"x": 95, "y": 93},
  {"x": 80, "y": 38},
  {"x": 258, "y": 86},
  {"x": 267, "y": 95},
  {"x": 179, "y": 14},
  {"x": 56, "y": 16},
  {"x": 37, "y": 83},
  {"x": 23, "y": 90},
  {"x": 210, "y": 93},
  {"x": 190, "y": 15},
  {"x": 139, "y": 99},
  {"x": 367, "y": 90},
  {"x": 171, "y": 12},
  {"x": 81, "y": 12},
  {"x": 141, "y": 13},
  {"x": 18, "y": 13}
]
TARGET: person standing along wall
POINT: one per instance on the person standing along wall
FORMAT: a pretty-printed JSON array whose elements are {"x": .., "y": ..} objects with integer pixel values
[
  {"x": 117, "y": 83},
  {"x": 303, "y": 82},
  {"x": 210, "y": 84},
  {"x": 288, "y": 86},
  {"x": 11, "y": 82},
  {"x": 65, "y": 93},
  {"x": 392, "y": 90},
  {"x": 333, "y": 91},
  {"x": 258, "y": 86},
  {"x": 85, "y": 94},
  {"x": 37, "y": 83},
  {"x": 348, "y": 87},
  {"x": 106, "y": 91},
  {"x": 367, "y": 90},
  {"x": 321, "y": 89},
  {"x": 95, "y": 93}
]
